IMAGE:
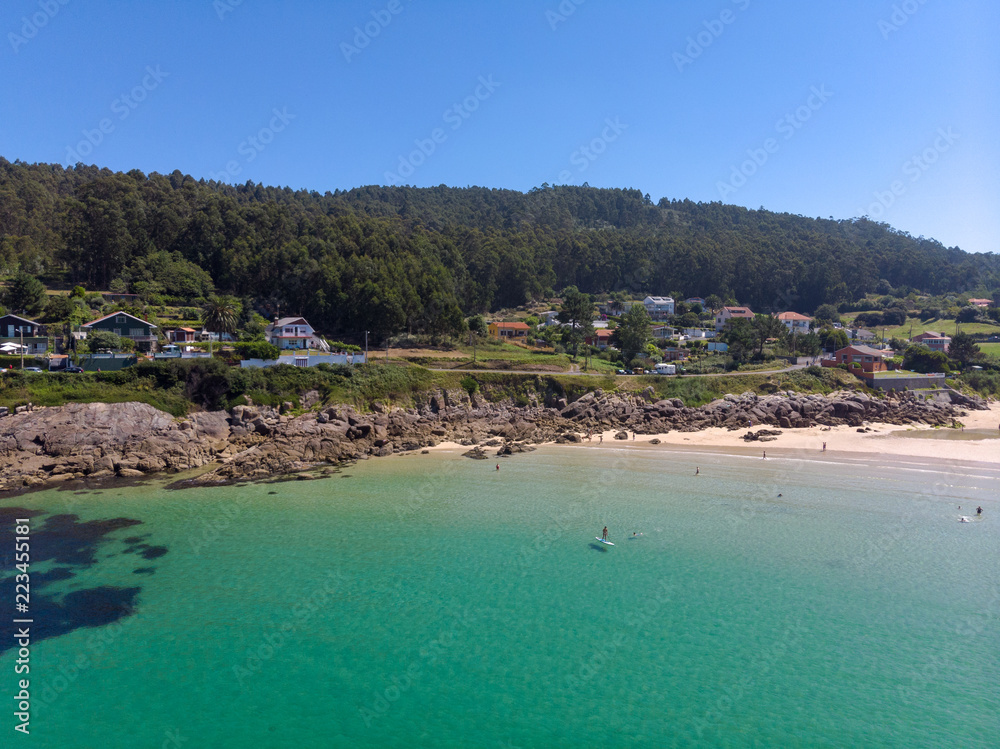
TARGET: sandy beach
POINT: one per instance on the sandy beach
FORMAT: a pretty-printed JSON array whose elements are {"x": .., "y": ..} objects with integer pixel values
[{"x": 979, "y": 443}]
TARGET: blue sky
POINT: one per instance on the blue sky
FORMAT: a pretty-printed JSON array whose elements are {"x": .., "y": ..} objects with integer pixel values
[{"x": 842, "y": 109}]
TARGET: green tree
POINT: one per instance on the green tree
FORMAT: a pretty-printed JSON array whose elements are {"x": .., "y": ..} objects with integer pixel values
[
  {"x": 633, "y": 332},
  {"x": 740, "y": 336},
  {"x": 258, "y": 350},
  {"x": 827, "y": 313},
  {"x": 832, "y": 339},
  {"x": 477, "y": 325},
  {"x": 808, "y": 344},
  {"x": 219, "y": 314},
  {"x": 103, "y": 340},
  {"x": 764, "y": 327},
  {"x": 25, "y": 294},
  {"x": 967, "y": 314},
  {"x": 577, "y": 313},
  {"x": 713, "y": 301},
  {"x": 59, "y": 308},
  {"x": 689, "y": 320},
  {"x": 963, "y": 349},
  {"x": 921, "y": 359}
]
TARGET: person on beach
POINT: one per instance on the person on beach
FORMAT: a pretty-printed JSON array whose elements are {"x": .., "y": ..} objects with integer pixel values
[
  {"x": 498, "y": 466},
  {"x": 697, "y": 471},
  {"x": 604, "y": 533},
  {"x": 765, "y": 455},
  {"x": 601, "y": 441},
  {"x": 979, "y": 510},
  {"x": 824, "y": 447}
]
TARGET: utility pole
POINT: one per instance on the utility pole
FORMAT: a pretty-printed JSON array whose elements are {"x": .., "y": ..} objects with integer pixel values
[
  {"x": 366, "y": 347},
  {"x": 21, "y": 329}
]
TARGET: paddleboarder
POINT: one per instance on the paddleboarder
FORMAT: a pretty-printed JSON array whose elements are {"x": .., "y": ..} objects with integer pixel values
[{"x": 604, "y": 534}]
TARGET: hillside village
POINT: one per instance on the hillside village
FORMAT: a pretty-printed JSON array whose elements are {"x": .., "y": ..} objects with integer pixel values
[{"x": 887, "y": 342}]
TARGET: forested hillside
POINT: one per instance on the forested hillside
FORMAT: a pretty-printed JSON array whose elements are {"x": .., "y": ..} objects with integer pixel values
[{"x": 388, "y": 259}]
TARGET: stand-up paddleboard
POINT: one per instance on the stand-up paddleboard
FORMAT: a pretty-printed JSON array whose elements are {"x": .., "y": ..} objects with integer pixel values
[{"x": 606, "y": 543}]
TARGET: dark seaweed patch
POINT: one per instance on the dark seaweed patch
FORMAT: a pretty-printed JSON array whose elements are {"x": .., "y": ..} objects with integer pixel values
[
  {"x": 144, "y": 571},
  {"x": 67, "y": 541},
  {"x": 9, "y": 514},
  {"x": 53, "y": 575},
  {"x": 93, "y": 607},
  {"x": 152, "y": 552}
]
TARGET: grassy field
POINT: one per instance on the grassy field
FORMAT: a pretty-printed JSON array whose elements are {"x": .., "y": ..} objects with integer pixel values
[
  {"x": 493, "y": 355},
  {"x": 947, "y": 326},
  {"x": 991, "y": 349}
]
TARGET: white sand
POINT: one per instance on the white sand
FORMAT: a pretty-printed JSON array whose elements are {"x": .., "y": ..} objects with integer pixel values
[{"x": 884, "y": 439}]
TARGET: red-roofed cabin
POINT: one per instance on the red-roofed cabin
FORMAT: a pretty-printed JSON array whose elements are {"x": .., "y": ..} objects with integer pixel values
[{"x": 870, "y": 359}]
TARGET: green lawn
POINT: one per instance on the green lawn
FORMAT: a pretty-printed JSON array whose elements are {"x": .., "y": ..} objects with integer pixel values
[
  {"x": 991, "y": 349},
  {"x": 915, "y": 326}
]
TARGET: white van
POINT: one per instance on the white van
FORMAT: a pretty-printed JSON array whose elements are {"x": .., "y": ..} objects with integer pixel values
[{"x": 665, "y": 369}]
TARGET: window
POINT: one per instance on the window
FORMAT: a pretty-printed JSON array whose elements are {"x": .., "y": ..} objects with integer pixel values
[
  {"x": 120, "y": 318},
  {"x": 118, "y": 331},
  {"x": 136, "y": 332}
]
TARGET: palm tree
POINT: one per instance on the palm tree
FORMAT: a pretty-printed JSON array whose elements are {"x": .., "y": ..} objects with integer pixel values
[{"x": 218, "y": 315}]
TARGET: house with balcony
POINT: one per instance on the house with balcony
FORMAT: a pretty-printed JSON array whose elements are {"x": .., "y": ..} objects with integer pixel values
[
  {"x": 795, "y": 322},
  {"x": 291, "y": 333},
  {"x": 659, "y": 307},
  {"x": 124, "y": 325},
  {"x": 933, "y": 340},
  {"x": 981, "y": 303},
  {"x": 726, "y": 314},
  {"x": 17, "y": 330}
]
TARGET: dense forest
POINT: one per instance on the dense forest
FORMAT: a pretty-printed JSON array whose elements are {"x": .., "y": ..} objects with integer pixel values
[{"x": 388, "y": 259}]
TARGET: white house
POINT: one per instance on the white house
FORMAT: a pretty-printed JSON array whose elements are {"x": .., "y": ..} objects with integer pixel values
[
  {"x": 795, "y": 322},
  {"x": 294, "y": 333},
  {"x": 726, "y": 314},
  {"x": 659, "y": 307},
  {"x": 548, "y": 318}
]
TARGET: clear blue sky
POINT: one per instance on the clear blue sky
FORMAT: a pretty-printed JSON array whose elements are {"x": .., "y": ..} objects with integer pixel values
[{"x": 694, "y": 92}]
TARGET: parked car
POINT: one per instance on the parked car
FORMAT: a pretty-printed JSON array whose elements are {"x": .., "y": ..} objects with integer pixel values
[
  {"x": 73, "y": 368},
  {"x": 31, "y": 369},
  {"x": 619, "y": 371}
]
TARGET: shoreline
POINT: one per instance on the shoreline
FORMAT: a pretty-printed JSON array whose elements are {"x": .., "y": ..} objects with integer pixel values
[
  {"x": 843, "y": 441},
  {"x": 62, "y": 445}
]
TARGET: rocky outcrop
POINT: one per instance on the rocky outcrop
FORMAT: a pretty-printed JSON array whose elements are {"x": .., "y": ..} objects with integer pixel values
[{"x": 100, "y": 440}]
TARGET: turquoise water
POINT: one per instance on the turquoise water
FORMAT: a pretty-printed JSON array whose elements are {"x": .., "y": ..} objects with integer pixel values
[{"x": 433, "y": 601}]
